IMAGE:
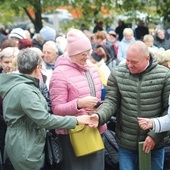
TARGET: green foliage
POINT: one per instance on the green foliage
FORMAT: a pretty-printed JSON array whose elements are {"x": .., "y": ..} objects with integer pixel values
[
  {"x": 163, "y": 9},
  {"x": 7, "y": 13},
  {"x": 90, "y": 10}
]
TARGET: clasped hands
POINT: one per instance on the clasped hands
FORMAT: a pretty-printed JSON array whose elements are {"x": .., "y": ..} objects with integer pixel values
[
  {"x": 90, "y": 120},
  {"x": 90, "y": 104},
  {"x": 93, "y": 121}
]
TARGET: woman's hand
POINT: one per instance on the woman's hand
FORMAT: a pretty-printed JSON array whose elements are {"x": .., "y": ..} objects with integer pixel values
[
  {"x": 92, "y": 121},
  {"x": 87, "y": 102},
  {"x": 83, "y": 119}
]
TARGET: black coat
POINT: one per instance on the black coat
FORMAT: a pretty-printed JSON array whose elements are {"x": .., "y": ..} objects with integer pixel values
[{"x": 164, "y": 43}]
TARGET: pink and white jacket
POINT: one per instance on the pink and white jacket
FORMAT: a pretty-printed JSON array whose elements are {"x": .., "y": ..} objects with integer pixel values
[{"x": 67, "y": 84}]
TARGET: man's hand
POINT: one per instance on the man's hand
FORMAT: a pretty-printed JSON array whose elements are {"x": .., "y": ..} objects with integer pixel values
[
  {"x": 148, "y": 145},
  {"x": 94, "y": 120}
]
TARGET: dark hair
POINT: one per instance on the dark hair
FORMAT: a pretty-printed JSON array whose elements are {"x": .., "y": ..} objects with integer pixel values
[
  {"x": 27, "y": 61},
  {"x": 8, "y": 43}
]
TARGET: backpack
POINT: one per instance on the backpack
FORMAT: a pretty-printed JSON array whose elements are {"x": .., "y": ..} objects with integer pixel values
[{"x": 111, "y": 151}]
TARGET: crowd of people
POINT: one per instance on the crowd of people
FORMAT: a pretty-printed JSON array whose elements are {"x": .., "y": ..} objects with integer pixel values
[{"x": 45, "y": 85}]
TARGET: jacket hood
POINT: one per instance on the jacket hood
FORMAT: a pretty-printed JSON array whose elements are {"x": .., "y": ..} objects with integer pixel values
[
  {"x": 152, "y": 63},
  {"x": 8, "y": 81},
  {"x": 125, "y": 41},
  {"x": 109, "y": 51}
]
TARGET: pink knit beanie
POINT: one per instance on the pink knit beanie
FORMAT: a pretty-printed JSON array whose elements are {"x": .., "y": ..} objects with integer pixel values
[{"x": 77, "y": 42}]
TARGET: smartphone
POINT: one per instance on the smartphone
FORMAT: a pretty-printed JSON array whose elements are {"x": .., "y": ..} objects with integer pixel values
[{"x": 98, "y": 104}]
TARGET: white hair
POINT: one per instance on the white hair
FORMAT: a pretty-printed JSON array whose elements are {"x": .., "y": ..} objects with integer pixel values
[
  {"x": 9, "y": 51},
  {"x": 51, "y": 44},
  {"x": 128, "y": 31}
]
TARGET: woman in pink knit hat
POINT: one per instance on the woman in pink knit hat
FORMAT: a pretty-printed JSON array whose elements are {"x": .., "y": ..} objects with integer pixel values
[{"x": 71, "y": 95}]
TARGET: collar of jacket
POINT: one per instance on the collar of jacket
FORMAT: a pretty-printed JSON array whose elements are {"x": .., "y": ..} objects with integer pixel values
[{"x": 34, "y": 80}]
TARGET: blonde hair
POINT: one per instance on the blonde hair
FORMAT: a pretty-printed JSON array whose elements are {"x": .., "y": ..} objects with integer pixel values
[
  {"x": 14, "y": 64},
  {"x": 128, "y": 31},
  {"x": 163, "y": 57}
]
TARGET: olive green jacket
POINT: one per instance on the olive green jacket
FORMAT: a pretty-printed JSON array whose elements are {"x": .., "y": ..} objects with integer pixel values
[{"x": 136, "y": 95}]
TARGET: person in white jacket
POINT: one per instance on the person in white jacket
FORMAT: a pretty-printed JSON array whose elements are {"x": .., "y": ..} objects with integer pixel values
[{"x": 158, "y": 125}]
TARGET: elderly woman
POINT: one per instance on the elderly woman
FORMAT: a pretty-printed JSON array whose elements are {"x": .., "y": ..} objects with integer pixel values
[
  {"x": 148, "y": 39},
  {"x": 6, "y": 57},
  {"x": 25, "y": 113},
  {"x": 71, "y": 95},
  {"x": 128, "y": 38},
  {"x": 160, "y": 40}
]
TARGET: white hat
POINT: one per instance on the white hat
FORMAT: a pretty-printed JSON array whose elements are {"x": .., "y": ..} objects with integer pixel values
[{"x": 17, "y": 33}]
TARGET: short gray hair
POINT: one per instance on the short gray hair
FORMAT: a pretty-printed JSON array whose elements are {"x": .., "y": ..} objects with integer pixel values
[
  {"x": 27, "y": 61},
  {"x": 9, "y": 52},
  {"x": 51, "y": 44},
  {"x": 148, "y": 37}
]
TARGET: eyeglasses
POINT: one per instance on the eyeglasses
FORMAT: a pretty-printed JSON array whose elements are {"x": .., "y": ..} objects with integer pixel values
[
  {"x": 40, "y": 66},
  {"x": 85, "y": 54}
]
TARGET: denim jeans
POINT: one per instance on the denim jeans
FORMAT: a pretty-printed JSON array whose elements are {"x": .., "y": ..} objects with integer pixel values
[{"x": 128, "y": 159}]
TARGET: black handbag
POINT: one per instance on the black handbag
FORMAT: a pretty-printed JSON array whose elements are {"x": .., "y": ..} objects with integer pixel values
[
  {"x": 111, "y": 150},
  {"x": 53, "y": 152}
]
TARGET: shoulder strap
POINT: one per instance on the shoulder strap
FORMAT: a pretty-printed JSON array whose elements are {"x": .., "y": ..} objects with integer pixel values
[{"x": 91, "y": 83}]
